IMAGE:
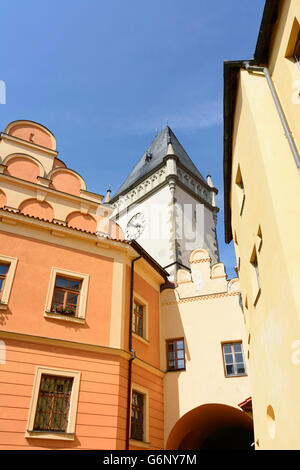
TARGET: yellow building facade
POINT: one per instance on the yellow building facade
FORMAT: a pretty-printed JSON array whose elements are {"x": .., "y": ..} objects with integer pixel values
[
  {"x": 262, "y": 191},
  {"x": 204, "y": 397}
]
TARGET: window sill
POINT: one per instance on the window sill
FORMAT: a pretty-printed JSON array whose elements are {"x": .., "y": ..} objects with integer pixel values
[
  {"x": 3, "y": 306},
  {"x": 176, "y": 370},
  {"x": 140, "y": 338},
  {"x": 58, "y": 316},
  {"x": 235, "y": 376},
  {"x": 62, "y": 436},
  {"x": 143, "y": 444}
]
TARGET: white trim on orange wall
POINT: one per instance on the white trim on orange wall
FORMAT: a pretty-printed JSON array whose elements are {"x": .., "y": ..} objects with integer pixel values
[
  {"x": 145, "y": 392},
  {"x": 12, "y": 262},
  {"x": 83, "y": 294},
  {"x": 70, "y": 433}
]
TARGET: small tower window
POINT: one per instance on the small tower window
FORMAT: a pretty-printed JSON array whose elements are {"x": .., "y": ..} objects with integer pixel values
[
  {"x": 256, "y": 277},
  {"x": 241, "y": 190},
  {"x": 296, "y": 54}
]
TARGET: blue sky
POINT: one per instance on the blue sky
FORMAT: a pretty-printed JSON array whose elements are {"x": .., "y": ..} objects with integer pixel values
[{"x": 102, "y": 75}]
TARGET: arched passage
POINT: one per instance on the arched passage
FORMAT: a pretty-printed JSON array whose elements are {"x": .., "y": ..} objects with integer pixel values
[{"x": 212, "y": 427}]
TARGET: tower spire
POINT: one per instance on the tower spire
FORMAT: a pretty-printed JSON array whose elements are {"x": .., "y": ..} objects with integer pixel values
[{"x": 108, "y": 194}]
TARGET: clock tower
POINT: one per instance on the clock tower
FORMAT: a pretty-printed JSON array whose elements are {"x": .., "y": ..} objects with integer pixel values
[{"x": 167, "y": 206}]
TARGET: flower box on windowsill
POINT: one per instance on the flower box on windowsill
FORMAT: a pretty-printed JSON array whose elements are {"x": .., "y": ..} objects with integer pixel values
[
  {"x": 65, "y": 311},
  {"x": 63, "y": 317}
]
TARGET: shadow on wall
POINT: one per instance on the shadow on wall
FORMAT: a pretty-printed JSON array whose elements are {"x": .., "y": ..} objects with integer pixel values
[{"x": 212, "y": 427}]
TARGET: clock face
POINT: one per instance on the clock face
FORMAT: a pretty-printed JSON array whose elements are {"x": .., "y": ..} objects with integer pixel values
[{"x": 135, "y": 226}]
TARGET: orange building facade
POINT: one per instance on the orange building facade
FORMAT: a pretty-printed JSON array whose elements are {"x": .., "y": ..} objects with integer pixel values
[{"x": 75, "y": 372}]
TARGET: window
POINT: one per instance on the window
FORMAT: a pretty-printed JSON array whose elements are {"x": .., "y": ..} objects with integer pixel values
[
  {"x": 296, "y": 53},
  {"x": 138, "y": 318},
  {"x": 259, "y": 239},
  {"x": 137, "y": 416},
  {"x": 7, "y": 272},
  {"x": 53, "y": 404},
  {"x": 175, "y": 354},
  {"x": 233, "y": 359},
  {"x": 241, "y": 190},
  {"x": 52, "y": 413},
  {"x": 256, "y": 277},
  {"x": 139, "y": 422},
  {"x": 66, "y": 296},
  {"x": 3, "y": 273}
]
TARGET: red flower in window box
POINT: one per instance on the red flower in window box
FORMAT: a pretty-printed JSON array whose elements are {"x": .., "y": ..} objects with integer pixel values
[{"x": 67, "y": 310}]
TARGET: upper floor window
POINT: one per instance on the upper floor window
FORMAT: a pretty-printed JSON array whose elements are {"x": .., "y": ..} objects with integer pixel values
[
  {"x": 138, "y": 326},
  {"x": 296, "y": 54},
  {"x": 175, "y": 354},
  {"x": 66, "y": 296},
  {"x": 255, "y": 277},
  {"x": 3, "y": 273},
  {"x": 7, "y": 272},
  {"x": 233, "y": 359},
  {"x": 240, "y": 189}
]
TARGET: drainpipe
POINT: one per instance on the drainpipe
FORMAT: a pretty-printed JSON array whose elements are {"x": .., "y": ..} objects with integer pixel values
[
  {"x": 287, "y": 131},
  {"x": 132, "y": 352}
]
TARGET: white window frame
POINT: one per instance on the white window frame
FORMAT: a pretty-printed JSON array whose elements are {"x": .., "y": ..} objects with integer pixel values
[
  {"x": 70, "y": 433},
  {"x": 145, "y": 338},
  {"x": 143, "y": 391},
  {"x": 12, "y": 262}
]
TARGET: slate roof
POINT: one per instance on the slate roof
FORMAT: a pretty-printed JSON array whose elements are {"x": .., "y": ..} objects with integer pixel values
[{"x": 153, "y": 157}]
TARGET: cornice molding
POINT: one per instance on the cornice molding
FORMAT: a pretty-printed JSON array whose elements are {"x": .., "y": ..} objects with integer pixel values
[
  {"x": 201, "y": 297},
  {"x": 52, "y": 191},
  {"x": 26, "y": 143},
  {"x": 27, "y": 338},
  {"x": 156, "y": 180}
]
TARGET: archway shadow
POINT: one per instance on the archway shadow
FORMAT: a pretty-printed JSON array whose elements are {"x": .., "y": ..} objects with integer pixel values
[{"x": 212, "y": 426}]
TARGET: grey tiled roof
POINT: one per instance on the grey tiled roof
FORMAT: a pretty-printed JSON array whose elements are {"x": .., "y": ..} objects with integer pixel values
[{"x": 157, "y": 151}]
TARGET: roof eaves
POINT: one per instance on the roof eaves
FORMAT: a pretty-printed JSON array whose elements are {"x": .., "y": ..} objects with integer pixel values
[
  {"x": 231, "y": 71},
  {"x": 269, "y": 18},
  {"x": 132, "y": 243},
  {"x": 137, "y": 247}
]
